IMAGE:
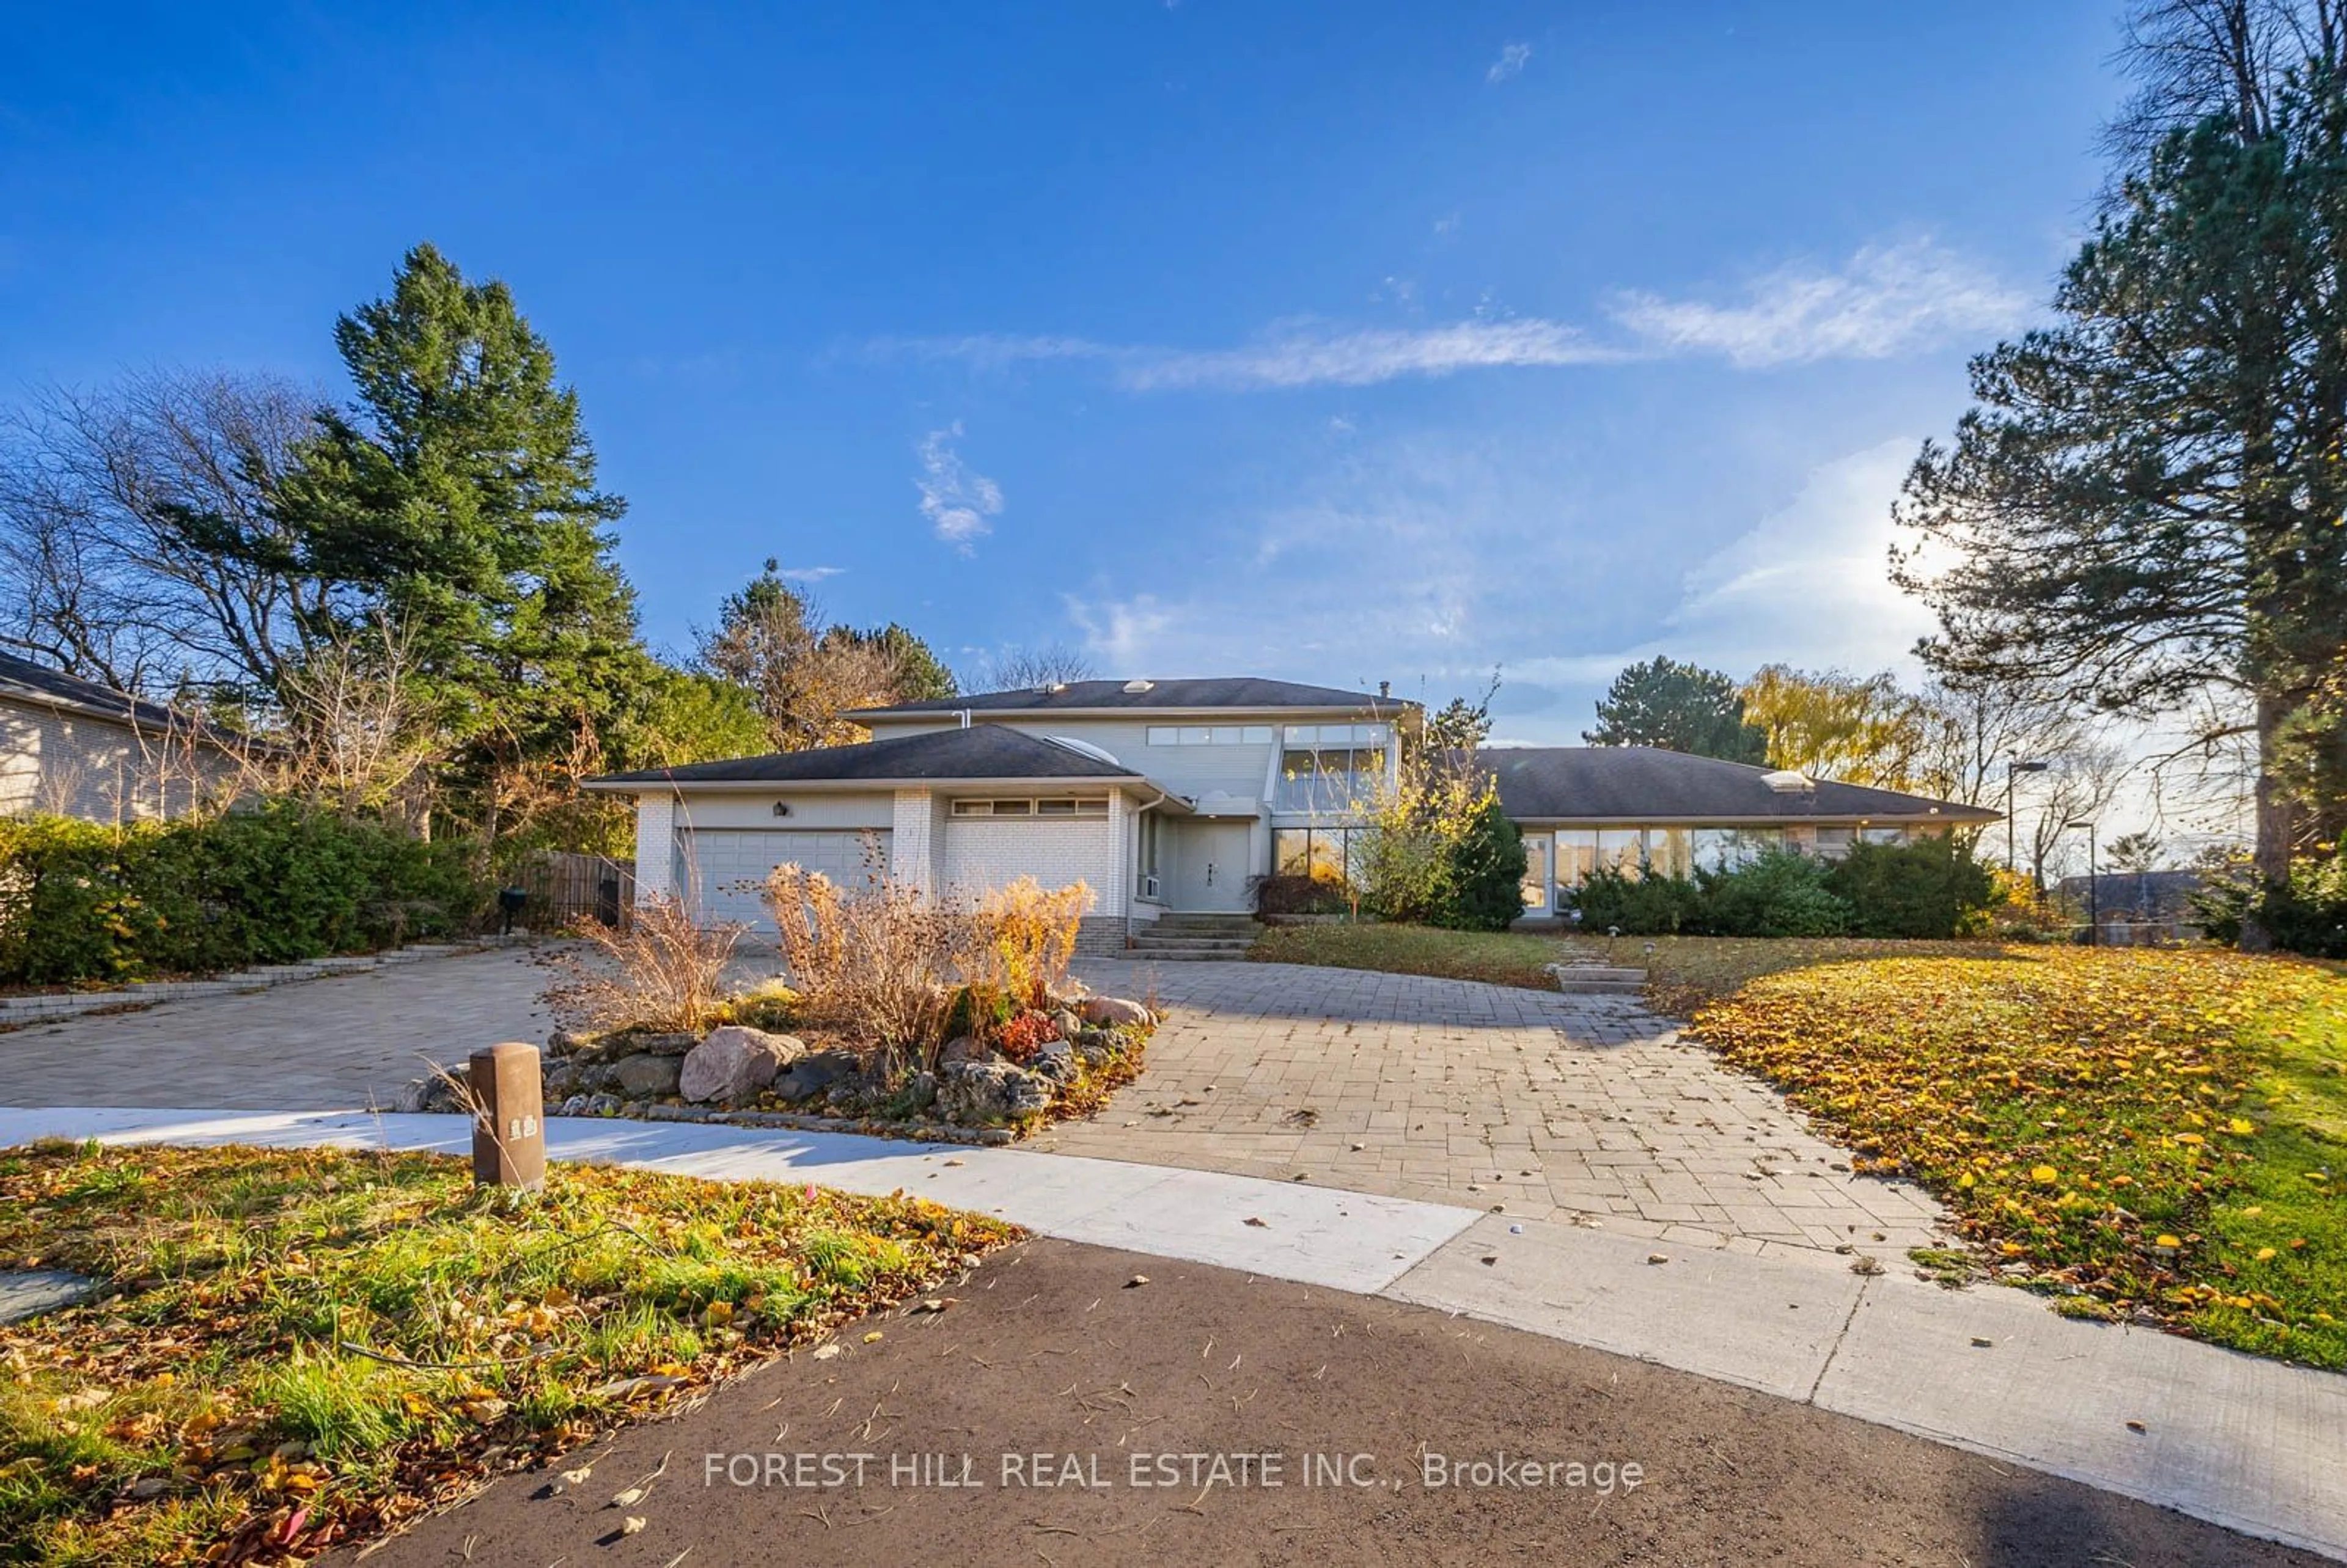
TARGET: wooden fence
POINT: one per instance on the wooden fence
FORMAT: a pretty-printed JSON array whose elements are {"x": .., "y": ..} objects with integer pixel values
[{"x": 565, "y": 886}]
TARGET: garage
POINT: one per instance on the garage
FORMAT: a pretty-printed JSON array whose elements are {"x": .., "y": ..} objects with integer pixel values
[{"x": 724, "y": 870}]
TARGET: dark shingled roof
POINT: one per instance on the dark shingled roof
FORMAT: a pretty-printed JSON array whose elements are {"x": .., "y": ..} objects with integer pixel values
[
  {"x": 1642, "y": 784},
  {"x": 980, "y": 751},
  {"x": 22, "y": 678},
  {"x": 1220, "y": 692}
]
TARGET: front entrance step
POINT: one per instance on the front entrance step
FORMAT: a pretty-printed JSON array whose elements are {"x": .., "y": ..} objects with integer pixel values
[
  {"x": 1205, "y": 922},
  {"x": 1179, "y": 955},
  {"x": 1191, "y": 940},
  {"x": 1598, "y": 981}
]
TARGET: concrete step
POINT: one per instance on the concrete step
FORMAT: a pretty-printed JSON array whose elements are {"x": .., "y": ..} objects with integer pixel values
[
  {"x": 1574, "y": 988},
  {"x": 1601, "y": 972},
  {"x": 1173, "y": 954},
  {"x": 1201, "y": 943}
]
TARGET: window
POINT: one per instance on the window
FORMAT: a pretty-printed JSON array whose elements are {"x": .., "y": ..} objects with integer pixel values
[
  {"x": 1623, "y": 850},
  {"x": 1833, "y": 842},
  {"x": 1576, "y": 855},
  {"x": 1885, "y": 835},
  {"x": 1726, "y": 848},
  {"x": 1328, "y": 778},
  {"x": 1535, "y": 887},
  {"x": 1148, "y": 831},
  {"x": 1335, "y": 734},
  {"x": 1210, "y": 734},
  {"x": 1068, "y": 807},
  {"x": 1323, "y": 854}
]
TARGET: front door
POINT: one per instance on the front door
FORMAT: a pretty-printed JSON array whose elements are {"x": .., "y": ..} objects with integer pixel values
[{"x": 1211, "y": 874}]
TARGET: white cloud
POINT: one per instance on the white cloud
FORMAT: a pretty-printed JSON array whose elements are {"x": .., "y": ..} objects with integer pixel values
[
  {"x": 808, "y": 573},
  {"x": 1316, "y": 358},
  {"x": 1807, "y": 585},
  {"x": 956, "y": 498},
  {"x": 1511, "y": 62},
  {"x": 1887, "y": 300}
]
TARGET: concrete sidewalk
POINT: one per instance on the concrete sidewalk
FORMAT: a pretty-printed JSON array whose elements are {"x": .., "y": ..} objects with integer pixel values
[{"x": 2242, "y": 1442}]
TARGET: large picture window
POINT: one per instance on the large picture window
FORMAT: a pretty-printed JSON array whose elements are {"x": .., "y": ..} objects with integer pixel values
[
  {"x": 1329, "y": 778},
  {"x": 1323, "y": 854}
]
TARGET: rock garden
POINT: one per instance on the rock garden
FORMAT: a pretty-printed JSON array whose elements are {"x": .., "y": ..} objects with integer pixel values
[{"x": 880, "y": 1011}]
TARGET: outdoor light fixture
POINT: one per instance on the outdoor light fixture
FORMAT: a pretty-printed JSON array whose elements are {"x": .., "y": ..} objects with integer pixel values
[
  {"x": 2009, "y": 770},
  {"x": 2094, "y": 886}
]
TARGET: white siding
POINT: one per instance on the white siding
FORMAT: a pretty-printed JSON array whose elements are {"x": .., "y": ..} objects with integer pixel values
[
  {"x": 655, "y": 847},
  {"x": 71, "y": 764},
  {"x": 980, "y": 854}
]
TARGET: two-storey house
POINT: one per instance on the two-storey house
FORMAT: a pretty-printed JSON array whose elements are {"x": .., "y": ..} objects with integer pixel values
[{"x": 1172, "y": 796}]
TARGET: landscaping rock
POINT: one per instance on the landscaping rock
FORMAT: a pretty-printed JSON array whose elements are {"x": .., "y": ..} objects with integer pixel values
[
  {"x": 647, "y": 1077},
  {"x": 735, "y": 1062},
  {"x": 815, "y": 1073},
  {"x": 1056, "y": 1059},
  {"x": 978, "y": 1093},
  {"x": 924, "y": 1091},
  {"x": 592, "y": 1105},
  {"x": 435, "y": 1094},
  {"x": 1067, "y": 1023},
  {"x": 663, "y": 1044},
  {"x": 28, "y": 1293},
  {"x": 562, "y": 1042},
  {"x": 962, "y": 1048},
  {"x": 1114, "y": 1010}
]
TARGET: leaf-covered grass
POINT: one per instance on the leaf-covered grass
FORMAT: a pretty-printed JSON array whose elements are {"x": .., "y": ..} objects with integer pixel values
[
  {"x": 1682, "y": 972},
  {"x": 218, "y": 1402},
  {"x": 1500, "y": 958},
  {"x": 2155, "y": 1136}
]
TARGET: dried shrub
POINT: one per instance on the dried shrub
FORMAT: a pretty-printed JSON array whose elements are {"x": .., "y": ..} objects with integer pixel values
[
  {"x": 876, "y": 963},
  {"x": 1030, "y": 936},
  {"x": 658, "y": 969}
]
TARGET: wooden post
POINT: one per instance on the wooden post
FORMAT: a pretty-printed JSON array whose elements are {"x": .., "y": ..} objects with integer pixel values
[{"x": 508, "y": 1118}]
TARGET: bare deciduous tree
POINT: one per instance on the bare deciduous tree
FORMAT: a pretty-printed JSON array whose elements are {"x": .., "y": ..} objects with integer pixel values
[
  {"x": 139, "y": 545},
  {"x": 1033, "y": 669}
]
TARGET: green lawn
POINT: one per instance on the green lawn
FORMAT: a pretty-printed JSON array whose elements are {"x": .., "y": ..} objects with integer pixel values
[
  {"x": 293, "y": 1350},
  {"x": 2159, "y": 1137}
]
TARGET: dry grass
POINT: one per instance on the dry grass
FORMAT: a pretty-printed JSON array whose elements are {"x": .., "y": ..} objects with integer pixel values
[
  {"x": 876, "y": 964},
  {"x": 657, "y": 969}
]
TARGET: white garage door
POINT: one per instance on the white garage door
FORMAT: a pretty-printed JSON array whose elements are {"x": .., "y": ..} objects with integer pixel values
[{"x": 726, "y": 868}]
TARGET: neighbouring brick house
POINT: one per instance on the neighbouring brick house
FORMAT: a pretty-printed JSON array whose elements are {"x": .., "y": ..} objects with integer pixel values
[
  {"x": 1172, "y": 796},
  {"x": 75, "y": 748}
]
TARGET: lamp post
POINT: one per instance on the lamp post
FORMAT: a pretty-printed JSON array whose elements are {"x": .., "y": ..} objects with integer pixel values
[
  {"x": 2093, "y": 887},
  {"x": 2012, "y": 854}
]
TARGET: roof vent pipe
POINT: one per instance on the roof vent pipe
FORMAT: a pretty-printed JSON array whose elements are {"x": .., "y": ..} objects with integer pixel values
[{"x": 1385, "y": 688}]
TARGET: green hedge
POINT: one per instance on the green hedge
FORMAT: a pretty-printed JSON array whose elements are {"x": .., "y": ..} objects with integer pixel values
[
  {"x": 2307, "y": 915},
  {"x": 82, "y": 901},
  {"x": 1930, "y": 889}
]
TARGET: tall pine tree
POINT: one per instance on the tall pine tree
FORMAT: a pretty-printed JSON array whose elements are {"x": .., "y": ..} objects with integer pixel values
[
  {"x": 2146, "y": 504},
  {"x": 456, "y": 498}
]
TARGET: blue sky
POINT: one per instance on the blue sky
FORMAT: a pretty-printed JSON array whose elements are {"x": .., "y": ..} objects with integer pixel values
[{"x": 1343, "y": 342}]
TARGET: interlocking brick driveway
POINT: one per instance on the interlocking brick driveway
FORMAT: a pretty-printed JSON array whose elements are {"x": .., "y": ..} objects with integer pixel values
[
  {"x": 1582, "y": 1109},
  {"x": 342, "y": 1042},
  {"x": 1555, "y": 1107}
]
